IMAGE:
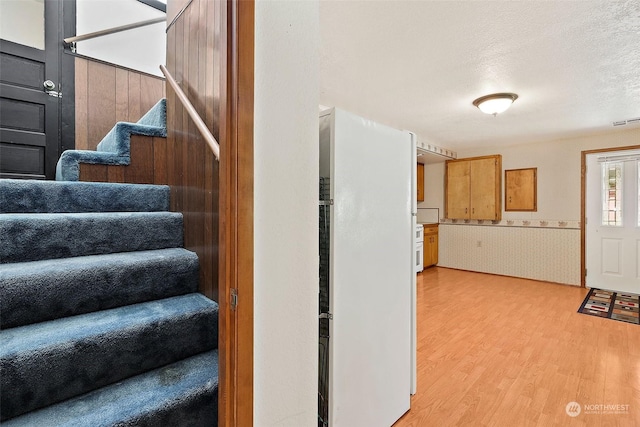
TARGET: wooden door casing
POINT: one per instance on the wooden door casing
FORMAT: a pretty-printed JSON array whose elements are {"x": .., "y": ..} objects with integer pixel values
[{"x": 583, "y": 197}]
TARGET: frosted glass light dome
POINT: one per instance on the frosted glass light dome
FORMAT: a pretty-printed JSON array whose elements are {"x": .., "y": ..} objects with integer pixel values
[{"x": 495, "y": 103}]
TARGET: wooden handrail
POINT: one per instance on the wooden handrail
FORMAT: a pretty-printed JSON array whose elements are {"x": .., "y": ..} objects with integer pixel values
[
  {"x": 113, "y": 30},
  {"x": 202, "y": 127}
]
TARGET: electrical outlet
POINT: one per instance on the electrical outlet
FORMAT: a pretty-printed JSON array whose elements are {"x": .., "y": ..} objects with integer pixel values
[{"x": 479, "y": 244}]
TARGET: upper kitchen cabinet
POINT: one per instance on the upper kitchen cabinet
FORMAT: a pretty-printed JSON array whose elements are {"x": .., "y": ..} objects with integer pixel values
[
  {"x": 420, "y": 179},
  {"x": 473, "y": 188},
  {"x": 520, "y": 190}
]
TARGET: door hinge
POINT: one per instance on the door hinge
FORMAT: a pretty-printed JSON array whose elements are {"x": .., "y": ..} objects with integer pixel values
[
  {"x": 234, "y": 298},
  {"x": 326, "y": 316}
]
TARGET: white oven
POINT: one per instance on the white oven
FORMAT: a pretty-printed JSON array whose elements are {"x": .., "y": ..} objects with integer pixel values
[{"x": 419, "y": 253}]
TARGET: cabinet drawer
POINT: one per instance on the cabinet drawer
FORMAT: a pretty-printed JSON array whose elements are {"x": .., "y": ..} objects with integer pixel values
[{"x": 430, "y": 229}]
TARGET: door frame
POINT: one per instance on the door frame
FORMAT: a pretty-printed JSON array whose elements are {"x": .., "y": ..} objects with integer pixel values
[
  {"x": 583, "y": 199},
  {"x": 236, "y": 220},
  {"x": 53, "y": 58},
  {"x": 67, "y": 77}
]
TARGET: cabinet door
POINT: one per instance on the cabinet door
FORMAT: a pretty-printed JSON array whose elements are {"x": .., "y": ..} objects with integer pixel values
[
  {"x": 458, "y": 190},
  {"x": 426, "y": 252},
  {"x": 520, "y": 192},
  {"x": 430, "y": 252},
  {"x": 485, "y": 189},
  {"x": 420, "y": 178},
  {"x": 433, "y": 248}
]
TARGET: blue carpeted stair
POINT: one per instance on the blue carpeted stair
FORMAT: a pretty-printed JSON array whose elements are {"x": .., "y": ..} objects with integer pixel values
[
  {"x": 115, "y": 147},
  {"x": 101, "y": 323}
]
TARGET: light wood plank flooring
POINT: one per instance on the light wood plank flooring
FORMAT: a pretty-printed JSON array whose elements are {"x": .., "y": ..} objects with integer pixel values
[{"x": 501, "y": 351}]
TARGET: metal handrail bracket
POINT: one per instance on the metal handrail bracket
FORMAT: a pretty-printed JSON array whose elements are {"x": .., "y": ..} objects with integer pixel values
[
  {"x": 202, "y": 127},
  {"x": 105, "y": 32}
]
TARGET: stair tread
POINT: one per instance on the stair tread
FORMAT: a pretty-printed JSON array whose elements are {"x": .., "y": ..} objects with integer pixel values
[
  {"x": 37, "y": 291},
  {"x": 18, "y": 196},
  {"x": 56, "y": 216},
  {"x": 88, "y": 262},
  {"x": 135, "y": 400},
  {"x": 81, "y": 353}
]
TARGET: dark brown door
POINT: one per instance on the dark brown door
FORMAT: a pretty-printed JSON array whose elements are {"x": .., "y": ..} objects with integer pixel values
[{"x": 29, "y": 94}]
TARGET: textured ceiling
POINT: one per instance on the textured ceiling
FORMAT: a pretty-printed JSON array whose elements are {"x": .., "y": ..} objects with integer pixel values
[{"x": 418, "y": 65}]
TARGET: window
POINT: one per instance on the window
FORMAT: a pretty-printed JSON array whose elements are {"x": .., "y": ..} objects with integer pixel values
[{"x": 612, "y": 194}]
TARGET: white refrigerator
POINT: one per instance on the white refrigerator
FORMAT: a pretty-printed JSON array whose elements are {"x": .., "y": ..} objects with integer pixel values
[{"x": 371, "y": 349}]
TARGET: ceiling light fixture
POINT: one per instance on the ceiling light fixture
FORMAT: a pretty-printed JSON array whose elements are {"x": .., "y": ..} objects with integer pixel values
[{"x": 495, "y": 103}]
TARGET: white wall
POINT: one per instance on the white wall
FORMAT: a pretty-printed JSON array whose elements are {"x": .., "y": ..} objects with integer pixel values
[
  {"x": 286, "y": 213},
  {"x": 432, "y": 208},
  {"x": 22, "y": 21},
  {"x": 559, "y": 179},
  {"x": 142, "y": 49},
  {"x": 558, "y": 164}
]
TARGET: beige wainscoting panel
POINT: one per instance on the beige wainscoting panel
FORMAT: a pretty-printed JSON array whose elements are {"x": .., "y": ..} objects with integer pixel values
[{"x": 549, "y": 254}]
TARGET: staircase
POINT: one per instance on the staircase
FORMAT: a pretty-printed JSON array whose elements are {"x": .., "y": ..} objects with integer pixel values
[
  {"x": 115, "y": 147},
  {"x": 101, "y": 323}
]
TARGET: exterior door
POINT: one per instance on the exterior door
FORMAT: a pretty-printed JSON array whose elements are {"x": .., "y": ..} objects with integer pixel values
[
  {"x": 612, "y": 221},
  {"x": 29, "y": 88}
]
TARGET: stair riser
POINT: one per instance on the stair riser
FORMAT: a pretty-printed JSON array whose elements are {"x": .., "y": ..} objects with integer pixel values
[
  {"x": 25, "y": 196},
  {"x": 45, "y": 290},
  {"x": 48, "y": 373},
  {"x": 200, "y": 410},
  {"x": 32, "y": 237}
]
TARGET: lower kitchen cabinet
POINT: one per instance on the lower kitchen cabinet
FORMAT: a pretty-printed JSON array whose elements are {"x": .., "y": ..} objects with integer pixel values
[{"x": 430, "y": 245}]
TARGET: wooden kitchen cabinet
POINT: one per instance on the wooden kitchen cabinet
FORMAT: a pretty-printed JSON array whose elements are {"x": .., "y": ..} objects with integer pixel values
[
  {"x": 430, "y": 245},
  {"x": 458, "y": 188},
  {"x": 420, "y": 179},
  {"x": 520, "y": 190},
  {"x": 473, "y": 188}
]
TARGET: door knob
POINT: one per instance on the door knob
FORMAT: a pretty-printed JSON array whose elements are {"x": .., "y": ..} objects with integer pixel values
[{"x": 49, "y": 87}]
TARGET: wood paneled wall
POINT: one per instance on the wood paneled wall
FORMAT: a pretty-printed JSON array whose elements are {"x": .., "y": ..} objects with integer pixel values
[
  {"x": 210, "y": 54},
  {"x": 106, "y": 94},
  {"x": 193, "y": 170}
]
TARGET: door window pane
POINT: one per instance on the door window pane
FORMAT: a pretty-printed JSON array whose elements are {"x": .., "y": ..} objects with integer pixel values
[
  {"x": 22, "y": 21},
  {"x": 612, "y": 194}
]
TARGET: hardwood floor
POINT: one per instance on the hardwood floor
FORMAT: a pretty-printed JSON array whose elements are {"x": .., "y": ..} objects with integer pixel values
[{"x": 501, "y": 351}]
